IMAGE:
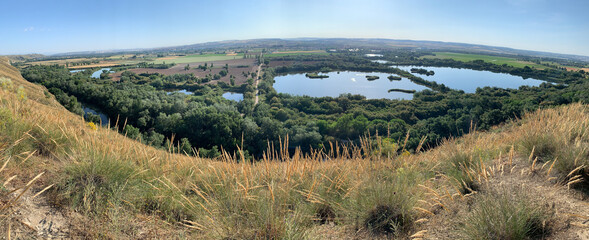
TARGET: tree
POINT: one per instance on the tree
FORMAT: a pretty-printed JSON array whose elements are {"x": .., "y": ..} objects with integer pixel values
[
  {"x": 185, "y": 146},
  {"x": 132, "y": 132}
]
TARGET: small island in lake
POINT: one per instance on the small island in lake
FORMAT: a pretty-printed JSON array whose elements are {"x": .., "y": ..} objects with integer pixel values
[
  {"x": 401, "y": 90},
  {"x": 422, "y": 71},
  {"x": 371, "y": 78},
  {"x": 394, "y": 78},
  {"x": 315, "y": 75}
]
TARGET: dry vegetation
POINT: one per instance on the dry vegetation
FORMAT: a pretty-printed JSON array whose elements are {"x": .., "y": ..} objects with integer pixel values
[{"x": 523, "y": 180}]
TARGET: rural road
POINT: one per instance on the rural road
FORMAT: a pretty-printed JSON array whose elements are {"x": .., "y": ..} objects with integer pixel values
[{"x": 257, "y": 82}]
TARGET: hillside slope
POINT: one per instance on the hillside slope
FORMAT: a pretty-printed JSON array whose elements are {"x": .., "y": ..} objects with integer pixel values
[{"x": 64, "y": 178}]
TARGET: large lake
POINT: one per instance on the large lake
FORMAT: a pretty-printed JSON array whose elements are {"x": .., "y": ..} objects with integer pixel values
[
  {"x": 356, "y": 82},
  {"x": 345, "y": 82},
  {"x": 469, "y": 80}
]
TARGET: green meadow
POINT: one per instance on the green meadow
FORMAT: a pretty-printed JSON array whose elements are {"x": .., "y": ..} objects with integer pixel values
[{"x": 466, "y": 57}]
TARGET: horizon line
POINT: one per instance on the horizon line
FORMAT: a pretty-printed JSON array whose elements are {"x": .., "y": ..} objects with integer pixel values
[{"x": 278, "y": 38}]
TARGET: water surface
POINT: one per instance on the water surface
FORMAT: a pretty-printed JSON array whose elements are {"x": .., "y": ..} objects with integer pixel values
[
  {"x": 233, "y": 96},
  {"x": 469, "y": 80},
  {"x": 89, "y": 109},
  {"x": 345, "y": 82},
  {"x": 97, "y": 73},
  {"x": 183, "y": 91},
  {"x": 380, "y": 61}
]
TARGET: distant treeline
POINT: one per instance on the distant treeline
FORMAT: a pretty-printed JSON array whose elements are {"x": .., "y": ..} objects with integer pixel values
[
  {"x": 401, "y": 90},
  {"x": 155, "y": 66}
]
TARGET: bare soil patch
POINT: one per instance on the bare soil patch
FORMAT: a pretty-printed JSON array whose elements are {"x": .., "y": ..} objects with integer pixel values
[{"x": 236, "y": 68}]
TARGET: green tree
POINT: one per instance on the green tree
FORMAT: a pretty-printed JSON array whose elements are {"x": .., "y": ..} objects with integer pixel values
[
  {"x": 132, "y": 132},
  {"x": 185, "y": 146}
]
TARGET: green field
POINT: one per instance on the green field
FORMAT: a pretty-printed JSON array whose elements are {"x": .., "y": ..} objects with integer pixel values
[
  {"x": 465, "y": 57},
  {"x": 197, "y": 58}
]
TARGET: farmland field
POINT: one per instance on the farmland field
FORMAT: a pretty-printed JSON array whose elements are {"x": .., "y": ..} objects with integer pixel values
[
  {"x": 197, "y": 58},
  {"x": 465, "y": 57},
  {"x": 236, "y": 68},
  {"x": 287, "y": 53}
]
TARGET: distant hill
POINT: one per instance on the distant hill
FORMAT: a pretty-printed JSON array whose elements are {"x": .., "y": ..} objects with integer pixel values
[
  {"x": 25, "y": 57},
  {"x": 338, "y": 43}
]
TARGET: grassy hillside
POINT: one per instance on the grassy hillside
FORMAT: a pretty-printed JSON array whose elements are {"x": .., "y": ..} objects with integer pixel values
[{"x": 63, "y": 177}]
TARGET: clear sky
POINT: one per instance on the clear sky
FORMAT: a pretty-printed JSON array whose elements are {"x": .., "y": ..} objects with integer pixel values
[{"x": 53, "y": 26}]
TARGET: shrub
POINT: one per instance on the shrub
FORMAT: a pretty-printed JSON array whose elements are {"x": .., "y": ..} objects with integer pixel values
[
  {"x": 91, "y": 185},
  {"x": 458, "y": 168},
  {"x": 385, "y": 204},
  {"x": 544, "y": 146},
  {"x": 6, "y": 83},
  {"x": 506, "y": 215}
]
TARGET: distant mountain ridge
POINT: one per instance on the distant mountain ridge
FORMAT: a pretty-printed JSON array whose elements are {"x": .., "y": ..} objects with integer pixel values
[{"x": 338, "y": 43}]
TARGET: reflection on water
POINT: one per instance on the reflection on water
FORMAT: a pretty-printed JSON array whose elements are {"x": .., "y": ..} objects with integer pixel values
[
  {"x": 103, "y": 118},
  {"x": 469, "y": 80},
  {"x": 345, "y": 82},
  {"x": 183, "y": 91},
  {"x": 97, "y": 73},
  {"x": 233, "y": 96}
]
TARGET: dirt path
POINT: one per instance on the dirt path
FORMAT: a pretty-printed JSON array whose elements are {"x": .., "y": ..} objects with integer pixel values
[
  {"x": 37, "y": 218},
  {"x": 257, "y": 82}
]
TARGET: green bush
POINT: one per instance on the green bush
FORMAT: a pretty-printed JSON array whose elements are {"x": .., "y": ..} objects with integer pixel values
[
  {"x": 506, "y": 215},
  {"x": 544, "y": 145},
  {"x": 95, "y": 183}
]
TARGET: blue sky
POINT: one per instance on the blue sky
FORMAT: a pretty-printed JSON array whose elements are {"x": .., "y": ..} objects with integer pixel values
[{"x": 46, "y": 26}]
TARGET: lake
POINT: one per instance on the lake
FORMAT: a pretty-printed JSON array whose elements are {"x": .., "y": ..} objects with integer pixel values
[
  {"x": 469, "y": 80},
  {"x": 345, "y": 82},
  {"x": 103, "y": 118},
  {"x": 233, "y": 96},
  {"x": 356, "y": 83},
  {"x": 97, "y": 73},
  {"x": 183, "y": 91},
  {"x": 380, "y": 61},
  {"x": 228, "y": 95}
]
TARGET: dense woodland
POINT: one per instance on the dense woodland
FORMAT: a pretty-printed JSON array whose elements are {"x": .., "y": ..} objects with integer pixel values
[{"x": 207, "y": 122}]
